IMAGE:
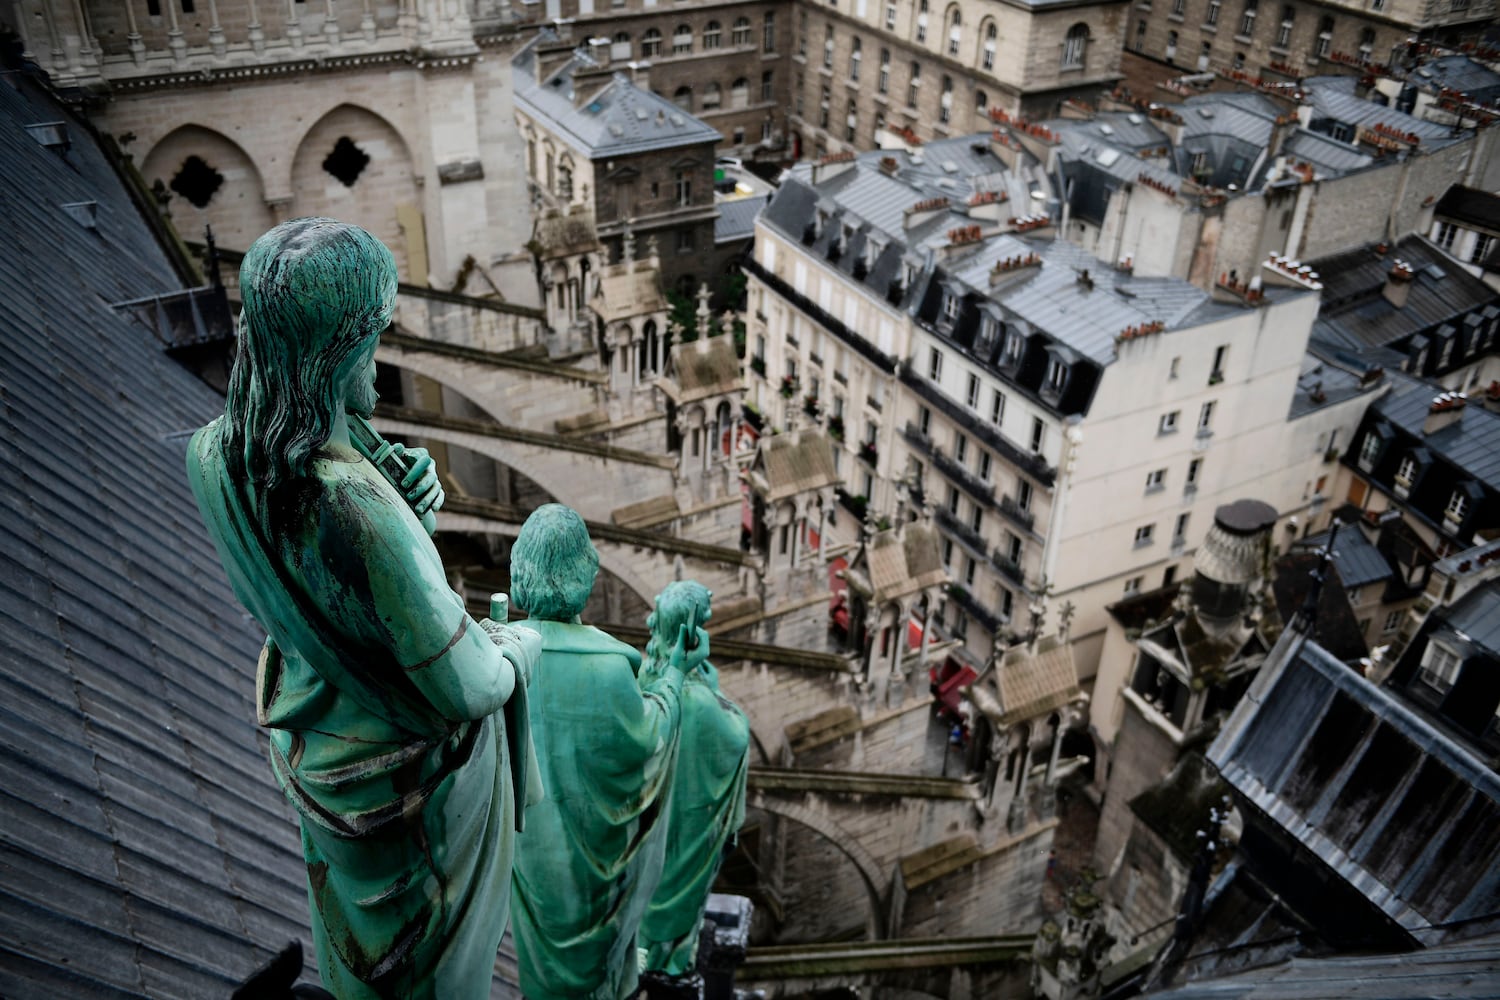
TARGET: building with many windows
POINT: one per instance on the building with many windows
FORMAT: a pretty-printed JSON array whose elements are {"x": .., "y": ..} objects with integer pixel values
[
  {"x": 887, "y": 72},
  {"x": 1073, "y": 425},
  {"x": 1290, "y": 40}
]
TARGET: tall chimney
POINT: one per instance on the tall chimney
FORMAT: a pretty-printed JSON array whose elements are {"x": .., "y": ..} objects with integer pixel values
[
  {"x": 1230, "y": 562},
  {"x": 1398, "y": 284}
]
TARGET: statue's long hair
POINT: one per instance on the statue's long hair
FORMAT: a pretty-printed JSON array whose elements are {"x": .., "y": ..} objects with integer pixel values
[
  {"x": 685, "y": 602},
  {"x": 314, "y": 292},
  {"x": 553, "y": 564}
]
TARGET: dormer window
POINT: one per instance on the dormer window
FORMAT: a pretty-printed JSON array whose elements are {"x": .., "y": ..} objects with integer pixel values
[
  {"x": 1057, "y": 375},
  {"x": 1405, "y": 475},
  {"x": 1440, "y": 666},
  {"x": 950, "y": 307},
  {"x": 1012, "y": 355},
  {"x": 989, "y": 329},
  {"x": 1457, "y": 509},
  {"x": 1372, "y": 446}
]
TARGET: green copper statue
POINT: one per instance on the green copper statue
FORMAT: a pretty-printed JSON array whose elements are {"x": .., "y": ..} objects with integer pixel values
[
  {"x": 592, "y": 852},
  {"x": 399, "y": 726},
  {"x": 708, "y": 791}
]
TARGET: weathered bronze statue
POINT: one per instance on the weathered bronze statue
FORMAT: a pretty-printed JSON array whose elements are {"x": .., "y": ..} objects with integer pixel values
[
  {"x": 398, "y": 723},
  {"x": 708, "y": 790},
  {"x": 591, "y": 855}
]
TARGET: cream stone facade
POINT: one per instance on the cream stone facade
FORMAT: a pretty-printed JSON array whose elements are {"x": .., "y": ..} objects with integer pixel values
[
  {"x": 262, "y": 94},
  {"x": 1287, "y": 41},
  {"x": 886, "y": 72}
]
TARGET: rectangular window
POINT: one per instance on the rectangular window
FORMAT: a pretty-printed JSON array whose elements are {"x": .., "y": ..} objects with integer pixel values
[
  {"x": 914, "y": 85},
  {"x": 768, "y": 33},
  {"x": 684, "y": 189},
  {"x": 1216, "y": 375},
  {"x": 947, "y": 552},
  {"x": 1038, "y": 433},
  {"x": 984, "y": 466},
  {"x": 976, "y": 519},
  {"x": 890, "y": 16},
  {"x": 1023, "y": 495},
  {"x": 767, "y": 85},
  {"x": 997, "y": 408},
  {"x": 960, "y": 449},
  {"x": 1407, "y": 472},
  {"x": 1458, "y": 507},
  {"x": 1392, "y": 622},
  {"x": 1482, "y": 245},
  {"x": 969, "y": 571},
  {"x": 971, "y": 394},
  {"x": 935, "y": 365},
  {"x": 1057, "y": 374},
  {"x": 1143, "y": 535},
  {"x": 1168, "y": 422},
  {"x": 1439, "y": 666},
  {"x": 1206, "y": 416},
  {"x": 953, "y": 500},
  {"x": 1194, "y": 467},
  {"x": 1179, "y": 529},
  {"x": 1213, "y": 13},
  {"x": 1172, "y": 372},
  {"x": 1156, "y": 479},
  {"x": 1369, "y": 450},
  {"x": 684, "y": 241},
  {"x": 1133, "y": 585}
]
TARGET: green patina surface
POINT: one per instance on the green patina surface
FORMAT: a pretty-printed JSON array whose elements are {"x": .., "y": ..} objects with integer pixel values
[
  {"x": 399, "y": 726},
  {"x": 708, "y": 790},
  {"x": 606, "y": 738}
]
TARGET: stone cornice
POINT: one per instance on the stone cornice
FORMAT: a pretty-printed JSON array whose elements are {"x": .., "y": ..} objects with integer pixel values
[{"x": 417, "y": 58}]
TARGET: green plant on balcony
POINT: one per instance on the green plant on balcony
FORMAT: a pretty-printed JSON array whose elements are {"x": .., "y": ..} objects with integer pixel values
[
  {"x": 869, "y": 452},
  {"x": 836, "y": 428},
  {"x": 810, "y": 406},
  {"x": 758, "y": 366},
  {"x": 788, "y": 387}
]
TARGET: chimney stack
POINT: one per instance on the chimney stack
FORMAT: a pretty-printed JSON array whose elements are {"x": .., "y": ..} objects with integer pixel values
[
  {"x": 1398, "y": 284},
  {"x": 1230, "y": 562},
  {"x": 1445, "y": 410}
]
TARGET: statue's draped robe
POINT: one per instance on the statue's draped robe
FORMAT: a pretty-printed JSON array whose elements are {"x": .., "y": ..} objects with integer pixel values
[
  {"x": 592, "y": 851},
  {"x": 707, "y": 809},
  {"x": 390, "y": 730}
]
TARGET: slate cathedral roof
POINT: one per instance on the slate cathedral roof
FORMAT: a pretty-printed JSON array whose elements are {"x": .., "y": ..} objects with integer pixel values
[{"x": 145, "y": 849}]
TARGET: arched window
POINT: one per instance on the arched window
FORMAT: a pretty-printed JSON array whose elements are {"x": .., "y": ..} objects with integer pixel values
[
  {"x": 683, "y": 98},
  {"x": 682, "y": 40},
  {"x": 620, "y": 49},
  {"x": 855, "y": 57},
  {"x": 712, "y": 97},
  {"x": 565, "y": 179},
  {"x": 1075, "y": 46},
  {"x": 649, "y": 347},
  {"x": 991, "y": 39},
  {"x": 741, "y": 31},
  {"x": 945, "y": 103},
  {"x": 711, "y": 32},
  {"x": 650, "y": 43},
  {"x": 884, "y": 82},
  {"x": 739, "y": 93},
  {"x": 955, "y": 32}
]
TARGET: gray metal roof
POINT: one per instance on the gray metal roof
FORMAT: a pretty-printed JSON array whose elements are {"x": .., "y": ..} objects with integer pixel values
[
  {"x": 1458, "y": 72},
  {"x": 1471, "y": 444},
  {"x": 1325, "y": 153},
  {"x": 1358, "y": 561},
  {"x": 619, "y": 119},
  {"x": 1477, "y": 616},
  {"x": 1337, "y": 104},
  {"x": 1460, "y": 969},
  {"x": 148, "y": 850},
  {"x": 1355, "y": 315},
  {"x": 736, "y": 219}
]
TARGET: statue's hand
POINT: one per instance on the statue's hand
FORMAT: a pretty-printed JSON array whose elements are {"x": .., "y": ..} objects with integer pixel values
[
  {"x": 522, "y": 646},
  {"x": 684, "y": 659},
  {"x": 420, "y": 484}
]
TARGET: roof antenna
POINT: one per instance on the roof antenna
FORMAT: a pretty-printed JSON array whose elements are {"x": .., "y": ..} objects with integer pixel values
[{"x": 1307, "y": 615}]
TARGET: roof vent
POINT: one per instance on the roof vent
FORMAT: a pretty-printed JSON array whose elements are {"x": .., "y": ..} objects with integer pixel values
[
  {"x": 641, "y": 114},
  {"x": 677, "y": 120},
  {"x": 949, "y": 167},
  {"x": 616, "y": 131},
  {"x": 1206, "y": 112},
  {"x": 85, "y": 213},
  {"x": 1134, "y": 118},
  {"x": 53, "y": 135},
  {"x": 1107, "y": 128}
]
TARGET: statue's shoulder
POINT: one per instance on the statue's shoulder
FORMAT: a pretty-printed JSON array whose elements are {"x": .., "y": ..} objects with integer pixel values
[{"x": 565, "y": 637}]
